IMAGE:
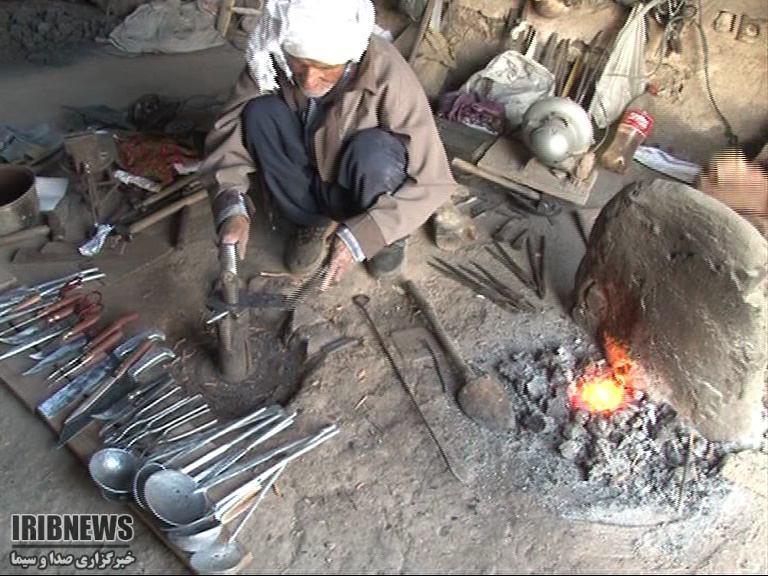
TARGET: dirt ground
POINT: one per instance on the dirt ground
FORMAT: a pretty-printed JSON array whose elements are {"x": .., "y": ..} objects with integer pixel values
[{"x": 377, "y": 499}]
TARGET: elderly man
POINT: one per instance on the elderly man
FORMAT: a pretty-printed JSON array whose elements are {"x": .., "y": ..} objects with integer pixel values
[{"x": 340, "y": 134}]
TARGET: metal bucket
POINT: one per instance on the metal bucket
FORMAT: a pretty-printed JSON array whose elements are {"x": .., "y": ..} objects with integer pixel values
[{"x": 18, "y": 199}]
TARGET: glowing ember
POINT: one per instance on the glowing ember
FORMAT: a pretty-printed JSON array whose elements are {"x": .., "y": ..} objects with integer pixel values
[
  {"x": 606, "y": 389},
  {"x": 602, "y": 395}
]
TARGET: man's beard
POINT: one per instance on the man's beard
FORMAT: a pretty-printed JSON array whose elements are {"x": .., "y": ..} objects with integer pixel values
[{"x": 316, "y": 93}]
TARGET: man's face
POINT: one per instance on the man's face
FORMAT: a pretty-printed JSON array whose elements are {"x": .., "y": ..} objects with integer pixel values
[{"x": 314, "y": 78}]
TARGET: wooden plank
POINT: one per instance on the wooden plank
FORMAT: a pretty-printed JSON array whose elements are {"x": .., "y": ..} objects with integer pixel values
[
  {"x": 31, "y": 391},
  {"x": 509, "y": 159}
]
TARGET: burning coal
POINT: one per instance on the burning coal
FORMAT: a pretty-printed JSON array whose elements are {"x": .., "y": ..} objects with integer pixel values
[{"x": 604, "y": 388}]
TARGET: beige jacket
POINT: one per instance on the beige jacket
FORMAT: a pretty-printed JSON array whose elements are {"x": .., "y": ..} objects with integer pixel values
[{"x": 384, "y": 93}]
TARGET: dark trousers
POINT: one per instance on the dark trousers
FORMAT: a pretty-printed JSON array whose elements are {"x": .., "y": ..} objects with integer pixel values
[{"x": 372, "y": 162}]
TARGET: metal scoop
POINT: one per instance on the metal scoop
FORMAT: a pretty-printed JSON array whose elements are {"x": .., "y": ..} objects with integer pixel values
[
  {"x": 113, "y": 469},
  {"x": 160, "y": 460},
  {"x": 162, "y": 490},
  {"x": 482, "y": 397},
  {"x": 180, "y": 500},
  {"x": 224, "y": 557}
]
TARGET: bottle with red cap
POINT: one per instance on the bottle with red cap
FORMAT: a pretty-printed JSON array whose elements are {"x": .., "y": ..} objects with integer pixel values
[{"x": 634, "y": 128}]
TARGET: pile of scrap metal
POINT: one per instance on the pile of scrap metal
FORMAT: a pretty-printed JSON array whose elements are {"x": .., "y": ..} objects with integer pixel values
[{"x": 163, "y": 449}]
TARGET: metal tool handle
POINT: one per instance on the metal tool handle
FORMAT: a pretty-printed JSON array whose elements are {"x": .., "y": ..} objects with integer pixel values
[
  {"x": 207, "y": 457},
  {"x": 252, "y": 486},
  {"x": 189, "y": 433},
  {"x": 228, "y": 258},
  {"x": 130, "y": 344},
  {"x": 154, "y": 398},
  {"x": 144, "y": 423},
  {"x": 439, "y": 331},
  {"x": 213, "y": 435},
  {"x": 199, "y": 411},
  {"x": 264, "y": 491},
  {"x": 150, "y": 360},
  {"x": 189, "y": 446},
  {"x": 254, "y": 462},
  {"x": 226, "y": 463}
]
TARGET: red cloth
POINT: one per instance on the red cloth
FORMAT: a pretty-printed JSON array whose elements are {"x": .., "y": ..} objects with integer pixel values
[{"x": 153, "y": 156}]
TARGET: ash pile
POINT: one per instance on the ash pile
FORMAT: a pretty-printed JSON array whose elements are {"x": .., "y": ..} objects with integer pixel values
[
  {"x": 640, "y": 457},
  {"x": 49, "y": 31}
]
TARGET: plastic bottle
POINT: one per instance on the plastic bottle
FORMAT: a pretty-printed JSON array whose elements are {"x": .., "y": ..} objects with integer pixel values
[{"x": 634, "y": 128}]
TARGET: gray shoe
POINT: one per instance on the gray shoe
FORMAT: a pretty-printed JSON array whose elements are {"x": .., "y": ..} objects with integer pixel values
[
  {"x": 389, "y": 261},
  {"x": 307, "y": 248}
]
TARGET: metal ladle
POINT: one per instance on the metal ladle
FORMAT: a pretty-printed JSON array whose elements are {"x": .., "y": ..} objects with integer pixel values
[
  {"x": 180, "y": 501},
  {"x": 225, "y": 557},
  {"x": 156, "y": 462},
  {"x": 161, "y": 490},
  {"x": 202, "y": 533},
  {"x": 113, "y": 469}
]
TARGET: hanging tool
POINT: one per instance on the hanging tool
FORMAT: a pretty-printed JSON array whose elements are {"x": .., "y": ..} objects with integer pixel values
[
  {"x": 483, "y": 398},
  {"x": 572, "y": 75},
  {"x": 591, "y": 58},
  {"x": 362, "y": 301},
  {"x": 561, "y": 64},
  {"x": 548, "y": 54}
]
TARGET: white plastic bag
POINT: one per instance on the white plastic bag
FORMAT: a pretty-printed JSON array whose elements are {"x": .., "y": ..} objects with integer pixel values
[
  {"x": 623, "y": 78},
  {"x": 513, "y": 80}
]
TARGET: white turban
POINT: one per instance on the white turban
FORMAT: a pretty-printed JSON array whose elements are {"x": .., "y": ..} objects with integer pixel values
[{"x": 329, "y": 31}]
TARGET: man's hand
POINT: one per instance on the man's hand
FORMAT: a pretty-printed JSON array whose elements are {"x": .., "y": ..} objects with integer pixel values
[
  {"x": 341, "y": 261},
  {"x": 235, "y": 230}
]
